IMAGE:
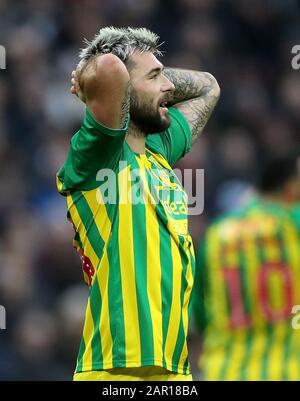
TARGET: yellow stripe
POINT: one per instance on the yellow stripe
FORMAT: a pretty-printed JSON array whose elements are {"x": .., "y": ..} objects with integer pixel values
[
  {"x": 236, "y": 355},
  {"x": 88, "y": 330},
  {"x": 161, "y": 160},
  {"x": 106, "y": 338},
  {"x": 153, "y": 268},
  {"x": 126, "y": 252},
  {"x": 276, "y": 352},
  {"x": 238, "y": 336},
  {"x": 175, "y": 312},
  {"x": 272, "y": 249},
  {"x": 253, "y": 264},
  {"x": 212, "y": 357},
  {"x": 59, "y": 184},
  {"x": 257, "y": 352},
  {"x": 96, "y": 203},
  {"x": 293, "y": 364},
  {"x": 217, "y": 282},
  {"x": 218, "y": 306},
  {"x": 258, "y": 337},
  {"x": 102, "y": 221},
  {"x": 232, "y": 254},
  {"x": 275, "y": 281}
]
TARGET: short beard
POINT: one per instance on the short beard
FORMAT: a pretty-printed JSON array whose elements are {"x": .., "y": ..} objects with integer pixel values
[{"x": 146, "y": 119}]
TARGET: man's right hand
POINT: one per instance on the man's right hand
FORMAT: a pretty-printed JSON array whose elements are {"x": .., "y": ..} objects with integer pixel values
[{"x": 75, "y": 88}]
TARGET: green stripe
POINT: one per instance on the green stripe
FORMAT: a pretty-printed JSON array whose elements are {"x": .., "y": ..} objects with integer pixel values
[
  {"x": 271, "y": 326},
  {"x": 140, "y": 260},
  {"x": 227, "y": 359},
  {"x": 208, "y": 276},
  {"x": 97, "y": 243},
  {"x": 251, "y": 332},
  {"x": 193, "y": 267},
  {"x": 181, "y": 335},
  {"x": 88, "y": 221},
  {"x": 166, "y": 282},
  {"x": 264, "y": 330},
  {"x": 96, "y": 306},
  {"x": 247, "y": 354},
  {"x": 286, "y": 352},
  {"x": 244, "y": 281},
  {"x": 266, "y": 353},
  {"x": 185, "y": 366},
  {"x": 179, "y": 345},
  {"x": 115, "y": 301},
  {"x": 80, "y": 355},
  {"x": 77, "y": 238}
]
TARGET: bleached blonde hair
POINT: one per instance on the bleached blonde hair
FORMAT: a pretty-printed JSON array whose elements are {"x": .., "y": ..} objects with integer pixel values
[{"x": 122, "y": 42}]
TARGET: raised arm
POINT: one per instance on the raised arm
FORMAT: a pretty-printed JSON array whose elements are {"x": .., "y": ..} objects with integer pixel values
[
  {"x": 196, "y": 94},
  {"x": 103, "y": 83}
]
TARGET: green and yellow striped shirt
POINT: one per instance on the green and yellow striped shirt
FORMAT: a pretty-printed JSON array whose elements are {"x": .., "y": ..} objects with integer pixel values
[
  {"x": 247, "y": 282},
  {"x": 129, "y": 212}
]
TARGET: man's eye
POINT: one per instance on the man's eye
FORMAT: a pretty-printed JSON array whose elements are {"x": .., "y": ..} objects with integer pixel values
[{"x": 154, "y": 76}]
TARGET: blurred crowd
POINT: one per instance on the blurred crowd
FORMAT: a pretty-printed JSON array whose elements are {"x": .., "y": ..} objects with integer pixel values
[{"x": 245, "y": 44}]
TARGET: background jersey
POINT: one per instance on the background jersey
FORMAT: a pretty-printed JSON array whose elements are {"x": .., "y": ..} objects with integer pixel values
[
  {"x": 137, "y": 256},
  {"x": 248, "y": 283}
]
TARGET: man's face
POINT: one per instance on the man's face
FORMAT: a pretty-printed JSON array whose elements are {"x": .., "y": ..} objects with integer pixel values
[{"x": 151, "y": 90}]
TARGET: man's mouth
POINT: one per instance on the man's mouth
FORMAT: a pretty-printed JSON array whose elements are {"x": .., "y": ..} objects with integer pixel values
[{"x": 163, "y": 105}]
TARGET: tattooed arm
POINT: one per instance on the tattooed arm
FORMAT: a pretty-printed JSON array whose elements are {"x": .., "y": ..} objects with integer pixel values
[
  {"x": 103, "y": 83},
  {"x": 196, "y": 94}
]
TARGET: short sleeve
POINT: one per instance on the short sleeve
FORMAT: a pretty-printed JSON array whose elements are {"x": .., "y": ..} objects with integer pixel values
[
  {"x": 92, "y": 148},
  {"x": 173, "y": 143}
]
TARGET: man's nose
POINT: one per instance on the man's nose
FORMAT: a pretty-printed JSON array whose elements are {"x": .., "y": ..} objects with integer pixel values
[{"x": 168, "y": 86}]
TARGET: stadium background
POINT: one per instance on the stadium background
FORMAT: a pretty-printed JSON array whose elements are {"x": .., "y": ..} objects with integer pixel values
[{"x": 245, "y": 44}]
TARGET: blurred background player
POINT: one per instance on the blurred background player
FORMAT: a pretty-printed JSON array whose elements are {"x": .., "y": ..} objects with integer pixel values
[{"x": 248, "y": 280}]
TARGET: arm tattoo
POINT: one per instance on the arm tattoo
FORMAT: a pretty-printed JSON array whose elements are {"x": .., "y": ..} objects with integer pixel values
[
  {"x": 197, "y": 112},
  {"x": 125, "y": 106},
  {"x": 196, "y": 94},
  {"x": 188, "y": 84}
]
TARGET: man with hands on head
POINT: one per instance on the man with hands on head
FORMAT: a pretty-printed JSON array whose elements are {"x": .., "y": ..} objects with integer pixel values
[{"x": 137, "y": 254}]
